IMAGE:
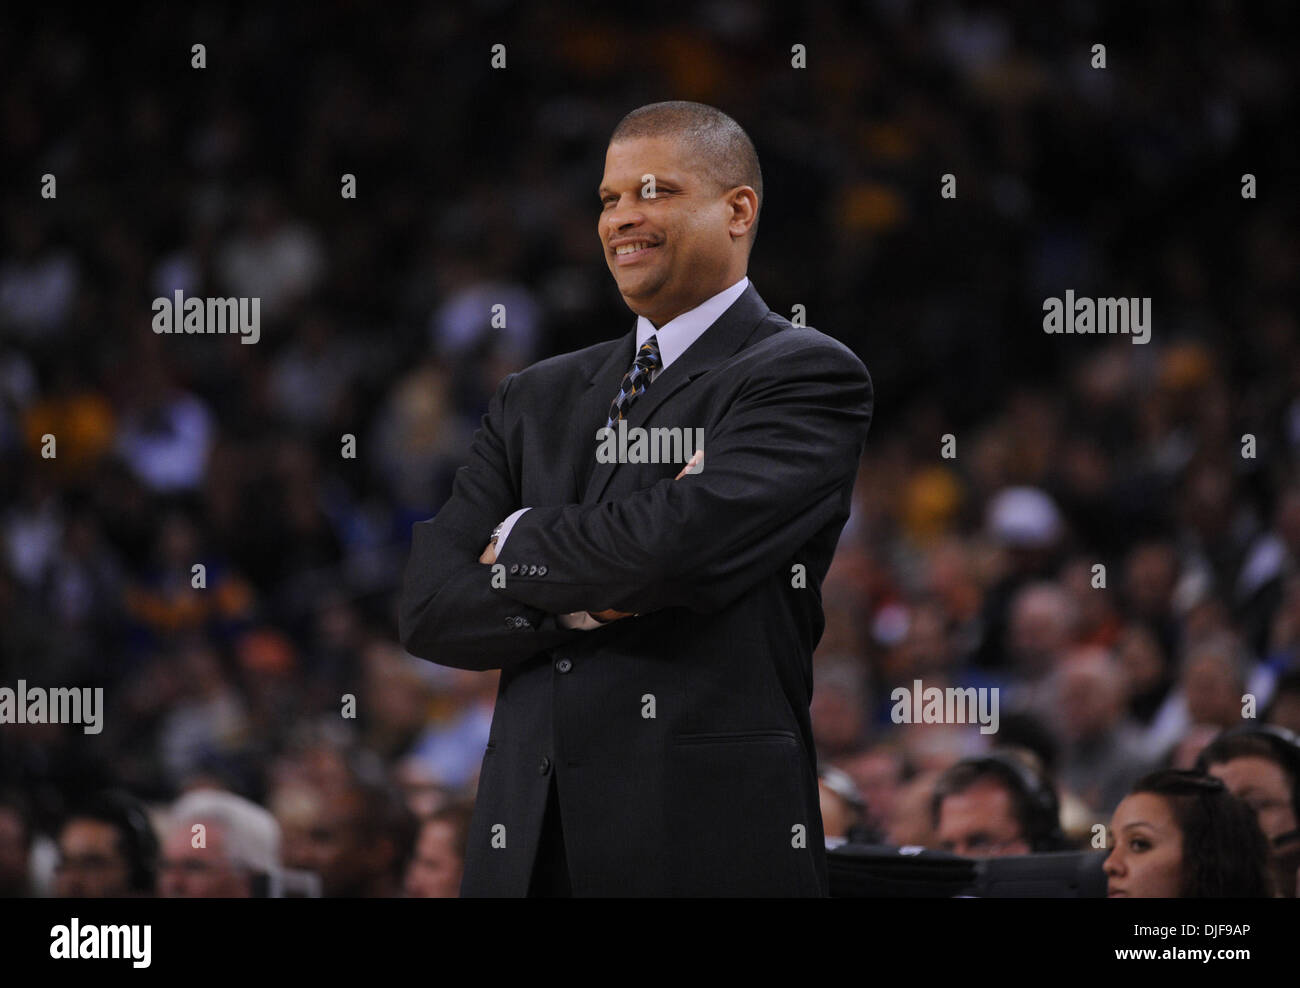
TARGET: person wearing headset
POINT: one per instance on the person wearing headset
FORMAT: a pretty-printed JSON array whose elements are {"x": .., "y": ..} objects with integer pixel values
[
  {"x": 107, "y": 849},
  {"x": 993, "y": 806},
  {"x": 1261, "y": 766},
  {"x": 1180, "y": 834}
]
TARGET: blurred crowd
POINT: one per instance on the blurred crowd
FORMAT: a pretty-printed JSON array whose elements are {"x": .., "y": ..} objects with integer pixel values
[{"x": 229, "y": 704}]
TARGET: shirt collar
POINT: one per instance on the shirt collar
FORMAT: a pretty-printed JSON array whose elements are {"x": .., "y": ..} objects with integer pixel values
[{"x": 680, "y": 332}]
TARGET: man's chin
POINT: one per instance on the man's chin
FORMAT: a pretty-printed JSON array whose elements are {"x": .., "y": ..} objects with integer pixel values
[{"x": 639, "y": 295}]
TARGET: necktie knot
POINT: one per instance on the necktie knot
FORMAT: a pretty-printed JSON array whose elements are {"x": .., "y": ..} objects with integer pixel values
[
  {"x": 648, "y": 358},
  {"x": 636, "y": 380}
]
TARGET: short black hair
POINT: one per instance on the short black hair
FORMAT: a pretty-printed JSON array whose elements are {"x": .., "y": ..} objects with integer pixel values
[
  {"x": 1225, "y": 854},
  {"x": 137, "y": 841},
  {"x": 722, "y": 145},
  {"x": 1033, "y": 798},
  {"x": 1272, "y": 744}
]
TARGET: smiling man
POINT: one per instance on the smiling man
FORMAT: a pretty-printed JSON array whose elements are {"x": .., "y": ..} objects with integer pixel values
[{"x": 653, "y": 622}]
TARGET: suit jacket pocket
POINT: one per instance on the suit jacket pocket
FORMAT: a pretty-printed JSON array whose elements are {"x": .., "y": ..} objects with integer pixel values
[
  {"x": 735, "y": 737},
  {"x": 737, "y": 824}
]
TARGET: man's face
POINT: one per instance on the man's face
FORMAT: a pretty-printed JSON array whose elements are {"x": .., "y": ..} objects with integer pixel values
[
  {"x": 435, "y": 870},
  {"x": 322, "y": 833},
  {"x": 189, "y": 872},
  {"x": 980, "y": 823},
  {"x": 91, "y": 863},
  {"x": 1146, "y": 861},
  {"x": 689, "y": 230},
  {"x": 1263, "y": 786},
  {"x": 1211, "y": 693}
]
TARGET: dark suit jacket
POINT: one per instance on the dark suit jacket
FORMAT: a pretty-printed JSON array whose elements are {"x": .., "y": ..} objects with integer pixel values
[{"x": 679, "y": 740}]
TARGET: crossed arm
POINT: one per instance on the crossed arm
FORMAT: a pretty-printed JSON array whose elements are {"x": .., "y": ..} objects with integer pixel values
[{"x": 777, "y": 463}]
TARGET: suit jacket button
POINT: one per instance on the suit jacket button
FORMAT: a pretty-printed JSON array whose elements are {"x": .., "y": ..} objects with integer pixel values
[
  {"x": 521, "y": 622},
  {"x": 541, "y": 570},
  {"x": 532, "y": 570},
  {"x": 544, "y": 767},
  {"x": 514, "y": 568},
  {"x": 564, "y": 665},
  {"x": 510, "y": 622}
]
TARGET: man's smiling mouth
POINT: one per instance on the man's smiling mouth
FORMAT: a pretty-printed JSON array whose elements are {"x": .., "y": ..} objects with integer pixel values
[{"x": 629, "y": 253}]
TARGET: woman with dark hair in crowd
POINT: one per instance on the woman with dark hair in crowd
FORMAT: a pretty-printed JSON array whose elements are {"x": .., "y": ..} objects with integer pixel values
[{"x": 1182, "y": 834}]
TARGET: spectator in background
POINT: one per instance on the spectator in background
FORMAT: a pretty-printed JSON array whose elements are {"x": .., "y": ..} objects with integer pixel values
[
  {"x": 1261, "y": 767},
  {"x": 1183, "y": 835},
  {"x": 1147, "y": 683},
  {"x": 420, "y": 788},
  {"x": 1149, "y": 580},
  {"x": 1284, "y": 708},
  {"x": 450, "y": 748},
  {"x": 1026, "y": 525},
  {"x": 357, "y": 837},
  {"x": 439, "y": 860},
  {"x": 879, "y": 772},
  {"x": 166, "y": 433},
  {"x": 270, "y": 257},
  {"x": 15, "y": 846},
  {"x": 1041, "y": 627},
  {"x": 38, "y": 280},
  {"x": 238, "y": 846},
  {"x": 1103, "y": 753},
  {"x": 995, "y": 806},
  {"x": 912, "y": 822},
  {"x": 107, "y": 849},
  {"x": 837, "y": 706},
  {"x": 164, "y": 604},
  {"x": 1216, "y": 673},
  {"x": 843, "y": 809},
  {"x": 207, "y": 717}
]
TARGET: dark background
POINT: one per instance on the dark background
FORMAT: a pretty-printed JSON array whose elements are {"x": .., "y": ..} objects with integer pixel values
[{"x": 477, "y": 186}]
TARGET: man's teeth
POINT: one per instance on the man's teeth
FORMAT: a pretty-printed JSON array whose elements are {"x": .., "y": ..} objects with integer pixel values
[{"x": 628, "y": 248}]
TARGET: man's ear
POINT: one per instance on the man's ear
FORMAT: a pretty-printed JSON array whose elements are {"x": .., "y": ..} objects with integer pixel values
[{"x": 743, "y": 201}]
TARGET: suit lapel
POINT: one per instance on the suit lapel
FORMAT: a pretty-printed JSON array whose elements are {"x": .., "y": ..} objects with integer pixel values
[
  {"x": 593, "y": 406},
  {"x": 728, "y": 334}
]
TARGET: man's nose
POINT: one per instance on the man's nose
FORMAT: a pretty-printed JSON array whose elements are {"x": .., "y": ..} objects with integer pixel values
[{"x": 623, "y": 215}]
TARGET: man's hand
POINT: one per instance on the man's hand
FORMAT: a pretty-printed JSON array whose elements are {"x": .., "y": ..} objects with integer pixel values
[
  {"x": 489, "y": 555},
  {"x": 698, "y": 458}
]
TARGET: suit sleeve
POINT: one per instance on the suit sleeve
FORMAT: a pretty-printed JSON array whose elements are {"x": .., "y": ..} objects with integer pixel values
[
  {"x": 449, "y": 613},
  {"x": 775, "y": 472}
]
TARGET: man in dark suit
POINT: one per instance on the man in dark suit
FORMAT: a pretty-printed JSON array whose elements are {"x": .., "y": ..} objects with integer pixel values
[{"x": 654, "y": 622}]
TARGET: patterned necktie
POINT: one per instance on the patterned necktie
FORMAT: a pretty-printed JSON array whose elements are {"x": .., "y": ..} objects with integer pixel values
[{"x": 636, "y": 380}]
